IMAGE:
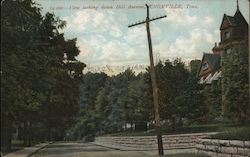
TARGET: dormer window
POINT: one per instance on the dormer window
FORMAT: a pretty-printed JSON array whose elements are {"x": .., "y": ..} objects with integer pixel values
[
  {"x": 227, "y": 35},
  {"x": 204, "y": 66}
]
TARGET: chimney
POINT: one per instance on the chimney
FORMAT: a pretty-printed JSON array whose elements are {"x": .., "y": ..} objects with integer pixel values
[{"x": 216, "y": 49}]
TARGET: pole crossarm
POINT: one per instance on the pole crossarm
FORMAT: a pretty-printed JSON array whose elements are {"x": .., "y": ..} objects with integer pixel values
[{"x": 139, "y": 23}]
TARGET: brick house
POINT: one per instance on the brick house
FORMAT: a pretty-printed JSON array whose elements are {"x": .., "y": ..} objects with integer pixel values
[{"x": 233, "y": 34}]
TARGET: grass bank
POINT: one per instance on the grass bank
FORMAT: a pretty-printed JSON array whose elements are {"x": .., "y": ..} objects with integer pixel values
[
  {"x": 240, "y": 133},
  {"x": 181, "y": 130}
]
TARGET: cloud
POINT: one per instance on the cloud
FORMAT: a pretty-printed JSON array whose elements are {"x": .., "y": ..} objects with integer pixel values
[
  {"x": 209, "y": 20},
  {"x": 115, "y": 31},
  {"x": 194, "y": 34},
  {"x": 106, "y": 39},
  {"x": 180, "y": 17},
  {"x": 183, "y": 19},
  {"x": 85, "y": 49},
  {"x": 91, "y": 21},
  {"x": 120, "y": 53},
  {"x": 136, "y": 36},
  {"x": 97, "y": 41},
  {"x": 187, "y": 48}
]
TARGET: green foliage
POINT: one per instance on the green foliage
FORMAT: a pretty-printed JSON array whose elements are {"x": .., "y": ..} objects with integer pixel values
[
  {"x": 117, "y": 98},
  {"x": 190, "y": 102},
  {"x": 109, "y": 103},
  {"x": 34, "y": 80},
  {"x": 138, "y": 110},
  {"x": 179, "y": 93},
  {"x": 235, "y": 99},
  {"x": 212, "y": 99},
  {"x": 171, "y": 77},
  {"x": 88, "y": 117},
  {"x": 241, "y": 133}
]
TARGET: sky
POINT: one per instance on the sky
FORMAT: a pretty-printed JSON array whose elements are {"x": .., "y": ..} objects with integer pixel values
[{"x": 106, "y": 43}]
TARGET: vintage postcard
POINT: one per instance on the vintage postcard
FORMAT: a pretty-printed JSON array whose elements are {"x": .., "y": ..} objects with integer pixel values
[{"x": 125, "y": 78}]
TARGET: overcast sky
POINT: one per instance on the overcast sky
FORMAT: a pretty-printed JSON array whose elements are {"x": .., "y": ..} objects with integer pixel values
[{"x": 105, "y": 39}]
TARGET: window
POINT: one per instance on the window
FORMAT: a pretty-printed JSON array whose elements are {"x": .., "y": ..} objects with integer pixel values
[
  {"x": 204, "y": 66},
  {"x": 228, "y": 51},
  {"x": 227, "y": 35}
]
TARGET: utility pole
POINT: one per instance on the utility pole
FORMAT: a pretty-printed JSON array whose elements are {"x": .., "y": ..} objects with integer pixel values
[{"x": 153, "y": 80}]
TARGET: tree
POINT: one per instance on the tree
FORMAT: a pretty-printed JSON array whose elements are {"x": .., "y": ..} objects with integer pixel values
[
  {"x": 87, "y": 120},
  {"x": 20, "y": 21},
  {"x": 139, "y": 110},
  {"x": 35, "y": 81},
  {"x": 212, "y": 99},
  {"x": 180, "y": 95},
  {"x": 118, "y": 99},
  {"x": 191, "y": 101},
  {"x": 172, "y": 77},
  {"x": 235, "y": 84}
]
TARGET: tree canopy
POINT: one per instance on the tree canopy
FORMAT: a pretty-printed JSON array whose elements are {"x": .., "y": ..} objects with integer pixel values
[{"x": 36, "y": 90}]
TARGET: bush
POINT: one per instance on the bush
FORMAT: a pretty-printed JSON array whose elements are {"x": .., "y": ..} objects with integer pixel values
[{"x": 242, "y": 133}]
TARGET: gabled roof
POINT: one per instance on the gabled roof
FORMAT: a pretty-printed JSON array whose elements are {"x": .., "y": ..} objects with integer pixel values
[
  {"x": 213, "y": 60},
  {"x": 231, "y": 20},
  {"x": 235, "y": 20},
  {"x": 239, "y": 18}
]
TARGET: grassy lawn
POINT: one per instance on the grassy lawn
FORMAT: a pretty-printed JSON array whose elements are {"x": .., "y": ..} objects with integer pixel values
[
  {"x": 240, "y": 133},
  {"x": 180, "y": 130}
]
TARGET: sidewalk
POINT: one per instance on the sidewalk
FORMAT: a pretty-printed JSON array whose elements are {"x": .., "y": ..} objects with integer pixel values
[
  {"x": 176, "y": 150},
  {"x": 28, "y": 151}
]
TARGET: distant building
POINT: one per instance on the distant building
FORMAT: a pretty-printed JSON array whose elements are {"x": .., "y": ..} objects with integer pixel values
[
  {"x": 233, "y": 34},
  {"x": 194, "y": 66}
]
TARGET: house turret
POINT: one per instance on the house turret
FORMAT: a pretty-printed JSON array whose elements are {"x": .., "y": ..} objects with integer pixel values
[{"x": 233, "y": 27}]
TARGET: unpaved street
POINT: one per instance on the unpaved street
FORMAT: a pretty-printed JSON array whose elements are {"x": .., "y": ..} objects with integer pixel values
[
  {"x": 85, "y": 150},
  {"x": 76, "y": 149}
]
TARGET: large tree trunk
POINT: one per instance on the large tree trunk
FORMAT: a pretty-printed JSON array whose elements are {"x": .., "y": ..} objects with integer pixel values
[
  {"x": 29, "y": 134},
  {"x": 6, "y": 132},
  {"x": 25, "y": 133},
  {"x": 8, "y": 136}
]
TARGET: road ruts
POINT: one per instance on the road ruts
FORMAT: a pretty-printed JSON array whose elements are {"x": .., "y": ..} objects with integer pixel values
[{"x": 77, "y": 149}]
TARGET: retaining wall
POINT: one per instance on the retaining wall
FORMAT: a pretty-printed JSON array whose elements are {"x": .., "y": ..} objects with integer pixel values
[
  {"x": 150, "y": 142},
  {"x": 223, "y": 148}
]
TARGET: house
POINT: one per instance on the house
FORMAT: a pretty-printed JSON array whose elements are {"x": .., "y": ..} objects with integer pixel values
[
  {"x": 210, "y": 68},
  {"x": 233, "y": 35}
]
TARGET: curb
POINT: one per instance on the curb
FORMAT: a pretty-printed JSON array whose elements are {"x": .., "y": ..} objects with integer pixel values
[
  {"x": 39, "y": 149},
  {"x": 107, "y": 146},
  {"x": 123, "y": 148}
]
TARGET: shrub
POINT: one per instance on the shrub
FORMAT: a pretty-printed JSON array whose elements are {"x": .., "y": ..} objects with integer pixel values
[{"x": 242, "y": 133}]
